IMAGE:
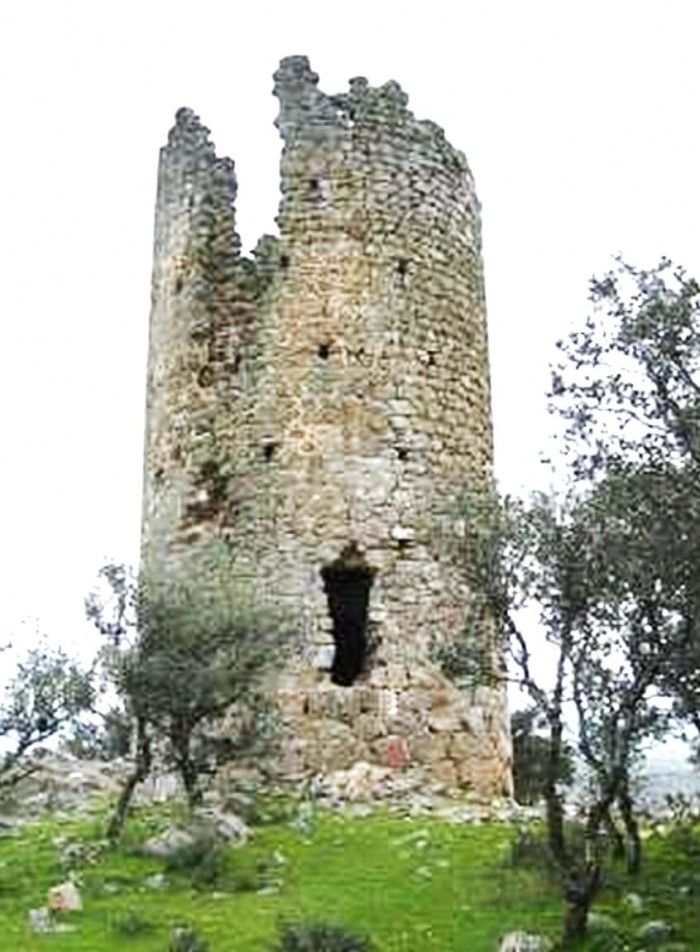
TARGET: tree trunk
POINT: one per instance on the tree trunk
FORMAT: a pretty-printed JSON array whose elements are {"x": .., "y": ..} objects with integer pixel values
[
  {"x": 553, "y": 801},
  {"x": 579, "y": 893},
  {"x": 634, "y": 842},
  {"x": 555, "y": 826},
  {"x": 190, "y": 779},
  {"x": 142, "y": 768},
  {"x": 581, "y": 885},
  {"x": 181, "y": 734},
  {"x": 616, "y": 838}
]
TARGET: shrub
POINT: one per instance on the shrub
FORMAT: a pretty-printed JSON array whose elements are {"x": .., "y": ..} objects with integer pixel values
[
  {"x": 130, "y": 923},
  {"x": 529, "y": 847},
  {"x": 208, "y": 863},
  {"x": 320, "y": 937},
  {"x": 683, "y": 835}
]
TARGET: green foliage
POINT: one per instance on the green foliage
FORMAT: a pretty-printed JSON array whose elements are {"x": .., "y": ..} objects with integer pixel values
[
  {"x": 531, "y": 755},
  {"x": 466, "y": 660},
  {"x": 627, "y": 383},
  {"x": 184, "y": 652},
  {"x": 480, "y": 542},
  {"x": 202, "y": 649},
  {"x": 529, "y": 848},
  {"x": 558, "y": 559},
  {"x": 478, "y": 539},
  {"x": 107, "y": 739},
  {"x": 605, "y": 935},
  {"x": 611, "y": 569},
  {"x": 131, "y": 923},
  {"x": 48, "y": 693},
  {"x": 320, "y": 937},
  {"x": 407, "y": 882},
  {"x": 683, "y": 833},
  {"x": 628, "y": 386}
]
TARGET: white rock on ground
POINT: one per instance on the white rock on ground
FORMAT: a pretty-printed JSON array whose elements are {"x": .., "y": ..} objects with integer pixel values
[
  {"x": 64, "y": 898},
  {"x": 41, "y": 921},
  {"x": 524, "y": 942}
]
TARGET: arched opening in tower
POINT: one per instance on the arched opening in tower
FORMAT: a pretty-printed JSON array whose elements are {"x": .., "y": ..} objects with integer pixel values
[{"x": 347, "y": 582}]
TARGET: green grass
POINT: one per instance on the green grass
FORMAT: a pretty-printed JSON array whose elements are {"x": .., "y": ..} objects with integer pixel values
[{"x": 418, "y": 885}]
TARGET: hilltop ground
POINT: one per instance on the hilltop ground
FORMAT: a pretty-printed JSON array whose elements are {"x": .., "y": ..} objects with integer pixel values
[{"x": 414, "y": 871}]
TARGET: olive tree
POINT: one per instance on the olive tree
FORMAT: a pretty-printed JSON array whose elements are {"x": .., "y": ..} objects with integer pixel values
[
  {"x": 48, "y": 693},
  {"x": 628, "y": 387},
  {"x": 194, "y": 651},
  {"x": 585, "y": 639}
]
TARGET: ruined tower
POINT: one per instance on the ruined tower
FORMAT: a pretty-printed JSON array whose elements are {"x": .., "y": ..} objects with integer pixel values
[{"x": 318, "y": 410}]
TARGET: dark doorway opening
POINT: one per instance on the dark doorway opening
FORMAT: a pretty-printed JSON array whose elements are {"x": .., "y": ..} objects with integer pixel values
[{"x": 347, "y": 582}]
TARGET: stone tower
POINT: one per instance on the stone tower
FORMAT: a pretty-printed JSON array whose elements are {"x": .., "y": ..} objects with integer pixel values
[{"x": 319, "y": 408}]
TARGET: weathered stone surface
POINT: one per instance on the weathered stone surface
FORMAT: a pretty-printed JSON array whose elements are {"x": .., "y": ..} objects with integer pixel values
[
  {"x": 654, "y": 934},
  {"x": 445, "y": 771},
  {"x": 58, "y": 782},
  {"x": 42, "y": 920},
  {"x": 223, "y": 825},
  {"x": 168, "y": 843},
  {"x": 633, "y": 902},
  {"x": 64, "y": 898},
  {"x": 362, "y": 781},
  {"x": 524, "y": 942},
  {"x": 206, "y": 822},
  {"x": 397, "y": 754},
  {"x": 333, "y": 393}
]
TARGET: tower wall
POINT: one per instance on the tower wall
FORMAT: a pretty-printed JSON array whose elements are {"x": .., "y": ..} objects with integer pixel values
[{"x": 333, "y": 397}]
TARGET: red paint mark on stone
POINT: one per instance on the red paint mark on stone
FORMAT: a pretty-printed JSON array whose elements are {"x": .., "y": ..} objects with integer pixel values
[{"x": 396, "y": 753}]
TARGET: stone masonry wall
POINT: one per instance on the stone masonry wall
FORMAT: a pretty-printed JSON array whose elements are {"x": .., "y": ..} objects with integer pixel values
[{"x": 332, "y": 393}]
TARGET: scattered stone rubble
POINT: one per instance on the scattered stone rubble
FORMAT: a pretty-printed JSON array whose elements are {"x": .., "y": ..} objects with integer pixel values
[
  {"x": 61, "y": 784},
  {"x": 411, "y": 792}
]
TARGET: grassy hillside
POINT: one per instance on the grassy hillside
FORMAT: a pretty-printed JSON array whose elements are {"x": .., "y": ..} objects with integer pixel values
[{"x": 413, "y": 885}]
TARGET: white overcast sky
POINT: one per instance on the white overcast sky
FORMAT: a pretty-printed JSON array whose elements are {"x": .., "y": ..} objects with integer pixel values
[{"x": 579, "y": 120}]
